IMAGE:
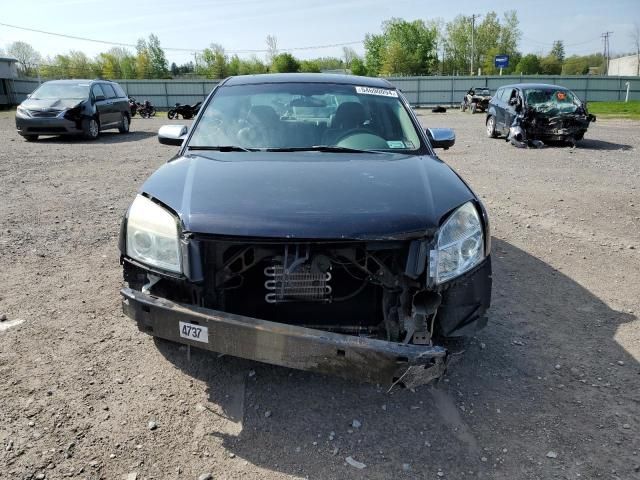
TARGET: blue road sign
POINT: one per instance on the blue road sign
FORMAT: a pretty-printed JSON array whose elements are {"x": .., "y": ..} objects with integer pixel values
[{"x": 501, "y": 61}]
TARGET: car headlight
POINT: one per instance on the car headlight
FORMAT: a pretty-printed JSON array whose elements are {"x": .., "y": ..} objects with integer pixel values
[
  {"x": 460, "y": 245},
  {"x": 23, "y": 111},
  {"x": 152, "y": 235}
]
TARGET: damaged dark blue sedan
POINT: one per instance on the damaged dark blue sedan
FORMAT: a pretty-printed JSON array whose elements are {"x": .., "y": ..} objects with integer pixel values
[{"x": 307, "y": 222}]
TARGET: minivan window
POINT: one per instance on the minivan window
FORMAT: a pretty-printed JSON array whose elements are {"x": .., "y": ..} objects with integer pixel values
[
  {"x": 119, "y": 90},
  {"x": 55, "y": 90},
  {"x": 97, "y": 91},
  {"x": 108, "y": 90}
]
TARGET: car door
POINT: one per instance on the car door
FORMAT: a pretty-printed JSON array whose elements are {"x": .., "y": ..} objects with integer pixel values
[
  {"x": 100, "y": 103},
  {"x": 495, "y": 104},
  {"x": 112, "y": 114},
  {"x": 121, "y": 102},
  {"x": 512, "y": 107}
]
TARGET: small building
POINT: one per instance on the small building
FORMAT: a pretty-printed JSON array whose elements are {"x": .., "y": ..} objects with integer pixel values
[
  {"x": 628, "y": 66},
  {"x": 8, "y": 72}
]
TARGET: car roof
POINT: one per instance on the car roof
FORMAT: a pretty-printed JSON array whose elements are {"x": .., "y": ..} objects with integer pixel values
[
  {"x": 542, "y": 86},
  {"x": 308, "y": 78}
]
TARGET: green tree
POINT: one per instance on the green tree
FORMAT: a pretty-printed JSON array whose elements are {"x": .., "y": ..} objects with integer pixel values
[
  {"x": 528, "y": 65},
  {"x": 550, "y": 65},
  {"x": 374, "y": 49},
  {"x": 457, "y": 46},
  {"x": 157, "y": 59},
  {"x": 285, "y": 62},
  {"x": 143, "y": 60},
  {"x": 329, "y": 63},
  {"x": 252, "y": 66},
  {"x": 28, "y": 57},
  {"x": 403, "y": 48},
  {"x": 575, "y": 65},
  {"x": 309, "y": 66},
  {"x": 557, "y": 50},
  {"x": 216, "y": 61},
  {"x": 358, "y": 67}
]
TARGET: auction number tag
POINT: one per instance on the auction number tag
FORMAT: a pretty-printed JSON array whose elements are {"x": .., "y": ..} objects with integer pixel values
[
  {"x": 194, "y": 332},
  {"x": 382, "y": 92}
]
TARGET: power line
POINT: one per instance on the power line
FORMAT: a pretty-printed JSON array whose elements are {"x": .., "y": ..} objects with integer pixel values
[{"x": 175, "y": 49}]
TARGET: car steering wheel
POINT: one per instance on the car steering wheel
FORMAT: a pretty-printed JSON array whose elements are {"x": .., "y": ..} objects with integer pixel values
[{"x": 356, "y": 131}]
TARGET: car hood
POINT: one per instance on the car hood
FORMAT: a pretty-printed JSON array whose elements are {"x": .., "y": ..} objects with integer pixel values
[
  {"x": 308, "y": 195},
  {"x": 50, "y": 103}
]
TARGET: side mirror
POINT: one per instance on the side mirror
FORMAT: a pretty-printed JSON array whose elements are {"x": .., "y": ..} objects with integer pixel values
[
  {"x": 441, "y": 137},
  {"x": 99, "y": 98},
  {"x": 513, "y": 101},
  {"x": 172, "y": 134}
]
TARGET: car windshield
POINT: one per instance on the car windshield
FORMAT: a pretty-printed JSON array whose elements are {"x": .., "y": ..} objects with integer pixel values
[
  {"x": 280, "y": 116},
  {"x": 61, "y": 91},
  {"x": 552, "y": 101}
]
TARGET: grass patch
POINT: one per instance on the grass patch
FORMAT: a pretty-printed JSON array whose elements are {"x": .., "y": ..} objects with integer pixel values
[{"x": 630, "y": 109}]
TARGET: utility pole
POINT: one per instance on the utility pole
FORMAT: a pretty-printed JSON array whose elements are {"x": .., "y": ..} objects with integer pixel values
[
  {"x": 473, "y": 28},
  {"x": 605, "y": 40},
  {"x": 195, "y": 63}
]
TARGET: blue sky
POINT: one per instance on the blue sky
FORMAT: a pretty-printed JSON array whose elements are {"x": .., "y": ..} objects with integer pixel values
[{"x": 244, "y": 24}]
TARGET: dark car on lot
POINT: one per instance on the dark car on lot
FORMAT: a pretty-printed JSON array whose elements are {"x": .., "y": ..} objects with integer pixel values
[
  {"x": 73, "y": 107},
  {"x": 307, "y": 222},
  {"x": 539, "y": 112}
]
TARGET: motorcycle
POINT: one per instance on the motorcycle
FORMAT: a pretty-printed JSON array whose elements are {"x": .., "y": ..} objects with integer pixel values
[
  {"x": 187, "y": 111},
  {"x": 146, "y": 110},
  {"x": 133, "y": 106}
]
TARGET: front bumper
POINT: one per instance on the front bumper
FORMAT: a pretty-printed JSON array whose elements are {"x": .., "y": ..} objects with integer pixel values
[
  {"x": 47, "y": 126},
  {"x": 347, "y": 356}
]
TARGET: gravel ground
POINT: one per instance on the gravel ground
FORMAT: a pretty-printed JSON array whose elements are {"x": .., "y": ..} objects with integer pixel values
[{"x": 549, "y": 390}]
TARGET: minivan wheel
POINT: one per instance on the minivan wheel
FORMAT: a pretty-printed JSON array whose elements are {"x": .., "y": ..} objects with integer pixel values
[
  {"x": 491, "y": 127},
  {"x": 30, "y": 138},
  {"x": 90, "y": 128},
  {"x": 124, "y": 124}
]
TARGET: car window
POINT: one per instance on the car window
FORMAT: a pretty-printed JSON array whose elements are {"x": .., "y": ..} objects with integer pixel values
[
  {"x": 552, "y": 100},
  {"x": 302, "y": 115},
  {"x": 119, "y": 90},
  {"x": 55, "y": 90},
  {"x": 497, "y": 95},
  {"x": 97, "y": 91},
  {"x": 504, "y": 95},
  {"x": 108, "y": 90}
]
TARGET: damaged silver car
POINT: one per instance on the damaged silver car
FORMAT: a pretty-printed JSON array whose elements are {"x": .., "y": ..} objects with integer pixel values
[
  {"x": 531, "y": 114},
  {"x": 307, "y": 222}
]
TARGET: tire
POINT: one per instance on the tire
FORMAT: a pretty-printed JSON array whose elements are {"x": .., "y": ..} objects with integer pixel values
[
  {"x": 578, "y": 136},
  {"x": 491, "y": 127},
  {"x": 474, "y": 107},
  {"x": 124, "y": 124},
  {"x": 30, "y": 138},
  {"x": 171, "y": 114},
  {"x": 90, "y": 128},
  {"x": 152, "y": 112}
]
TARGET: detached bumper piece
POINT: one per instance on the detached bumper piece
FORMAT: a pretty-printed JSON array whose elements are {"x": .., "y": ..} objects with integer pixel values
[{"x": 347, "y": 356}]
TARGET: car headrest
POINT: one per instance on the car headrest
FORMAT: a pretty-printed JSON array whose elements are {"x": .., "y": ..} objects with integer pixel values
[{"x": 349, "y": 115}]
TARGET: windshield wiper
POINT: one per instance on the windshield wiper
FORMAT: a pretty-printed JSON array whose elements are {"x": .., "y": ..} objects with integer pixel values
[
  {"x": 321, "y": 148},
  {"x": 222, "y": 148}
]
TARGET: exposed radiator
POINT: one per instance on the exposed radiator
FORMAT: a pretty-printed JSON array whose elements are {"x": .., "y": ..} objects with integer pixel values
[{"x": 301, "y": 285}]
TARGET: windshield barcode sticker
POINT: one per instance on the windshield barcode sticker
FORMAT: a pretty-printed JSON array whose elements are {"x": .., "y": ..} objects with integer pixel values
[{"x": 383, "y": 92}]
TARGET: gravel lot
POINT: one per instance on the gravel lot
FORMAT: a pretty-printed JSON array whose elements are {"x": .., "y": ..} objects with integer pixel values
[{"x": 549, "y": 390}]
